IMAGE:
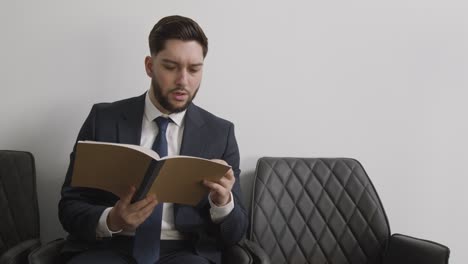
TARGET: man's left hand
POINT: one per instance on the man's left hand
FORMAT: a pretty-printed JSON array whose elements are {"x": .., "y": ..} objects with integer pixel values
[{"x": 220, "y": 191}]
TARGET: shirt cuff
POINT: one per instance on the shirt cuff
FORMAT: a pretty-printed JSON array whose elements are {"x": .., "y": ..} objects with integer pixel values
[
  {"x": 219, "y": 213},
  {"x": 102, "y": 230}
]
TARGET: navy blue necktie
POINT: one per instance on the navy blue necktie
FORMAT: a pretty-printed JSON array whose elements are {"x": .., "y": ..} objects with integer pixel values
[{"x": 148, "y": 234}]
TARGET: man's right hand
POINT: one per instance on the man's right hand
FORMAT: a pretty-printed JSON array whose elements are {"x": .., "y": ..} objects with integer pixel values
[{"x": 128, "y": 216}]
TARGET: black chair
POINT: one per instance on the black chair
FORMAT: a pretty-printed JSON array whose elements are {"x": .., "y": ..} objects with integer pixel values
[
  {"x": 314, "y": 211},
  {"x": 47, "y": 253},
  {"x": 19, "y": 221},
  {"x": 307, "y": 210}
]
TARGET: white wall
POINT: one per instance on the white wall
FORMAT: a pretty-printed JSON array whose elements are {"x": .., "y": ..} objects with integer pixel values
[{"x": 381, "y": 81}]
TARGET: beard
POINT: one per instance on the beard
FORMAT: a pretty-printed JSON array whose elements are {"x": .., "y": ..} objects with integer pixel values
[{"x": 163, "y": 99}]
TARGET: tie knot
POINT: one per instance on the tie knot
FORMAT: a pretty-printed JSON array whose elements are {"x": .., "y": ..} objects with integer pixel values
[{"x": 162, "y": 122}]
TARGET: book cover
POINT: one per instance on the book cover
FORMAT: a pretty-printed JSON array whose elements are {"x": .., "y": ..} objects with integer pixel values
[{"x": 114, "y": 167}]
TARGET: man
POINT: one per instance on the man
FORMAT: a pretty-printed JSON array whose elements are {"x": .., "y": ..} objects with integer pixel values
[{"x": 104, "y": 228}]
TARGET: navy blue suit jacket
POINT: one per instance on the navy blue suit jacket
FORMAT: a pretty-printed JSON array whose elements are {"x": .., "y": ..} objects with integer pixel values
[{"x": 205, "y": 135}]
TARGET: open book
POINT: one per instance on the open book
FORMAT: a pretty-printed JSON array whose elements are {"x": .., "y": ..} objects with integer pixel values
[{"x": 115, "y": 167}]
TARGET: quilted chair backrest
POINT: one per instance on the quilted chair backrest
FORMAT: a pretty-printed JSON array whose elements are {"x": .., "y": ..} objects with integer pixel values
[
  {"x": 311, "y": 210},
  {"x": 19, "y": 220}
]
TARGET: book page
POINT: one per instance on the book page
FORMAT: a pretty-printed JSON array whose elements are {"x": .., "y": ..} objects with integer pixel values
[
  {"x": 180, "y": 179},
  {"x": 110, "y": 167},
  {"x": 115, "y": 167},
  {"x": 153, "y": 154}
]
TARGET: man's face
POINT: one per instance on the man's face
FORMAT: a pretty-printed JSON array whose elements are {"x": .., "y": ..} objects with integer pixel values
[{"x": 176, "y": 73}]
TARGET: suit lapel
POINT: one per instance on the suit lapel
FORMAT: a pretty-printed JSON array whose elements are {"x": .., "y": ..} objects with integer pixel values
[
  {"x": 130, "y": 121},
  {"x": 192, "y": 143},
  {"x": 186, "y": 216}
]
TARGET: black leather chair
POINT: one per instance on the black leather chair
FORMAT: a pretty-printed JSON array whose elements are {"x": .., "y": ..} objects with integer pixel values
[
  {"x": 316, "y": 211},
  {"x": 19, "y": 221},
  {"x": 311, "y": 210},
  {"x": 47, "y": 253}
]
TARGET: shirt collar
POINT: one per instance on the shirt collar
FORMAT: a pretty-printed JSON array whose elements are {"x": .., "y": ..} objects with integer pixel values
[{"x": 151, "y": 112}]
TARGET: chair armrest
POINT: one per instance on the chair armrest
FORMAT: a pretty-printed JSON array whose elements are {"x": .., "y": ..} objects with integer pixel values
[
  {"x": 19, "y": 253},
  {"x": 409, "y": 250},
  {"x": 48, "y": 253},
  {"x": 245, "y": 252}
]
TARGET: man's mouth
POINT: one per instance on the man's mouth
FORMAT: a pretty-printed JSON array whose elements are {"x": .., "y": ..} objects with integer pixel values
[{"x": 179, "y": 95}]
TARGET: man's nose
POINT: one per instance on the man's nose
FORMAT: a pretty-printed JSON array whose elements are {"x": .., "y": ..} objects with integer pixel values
[{"x": 182, "y": 78}]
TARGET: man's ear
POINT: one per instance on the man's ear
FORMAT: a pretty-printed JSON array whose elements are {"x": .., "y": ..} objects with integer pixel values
[{"x": 149, "y": 66}]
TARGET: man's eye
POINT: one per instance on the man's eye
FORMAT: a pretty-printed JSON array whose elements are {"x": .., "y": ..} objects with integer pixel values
[
  {"x": 194, "y": 70},
  {"x": 169, "y": 67}
]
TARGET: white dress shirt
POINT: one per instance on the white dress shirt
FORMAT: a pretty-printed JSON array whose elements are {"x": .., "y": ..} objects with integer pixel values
[{"x": 174, "y": 134}]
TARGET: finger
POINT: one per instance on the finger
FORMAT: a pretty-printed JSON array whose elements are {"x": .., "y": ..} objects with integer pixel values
[
  {"x": 226, "y": 183},
  {"x": 127, "y": 198},
  {"x": 220, "y": 161},
  {"x": 150, "y": 206},
  {"x": 215, "y": 187},
  {"x": 147, "y": 210},
  {"x": 230, "y": 175},
  {"x": 140, "y": 216},
  {"x": 136, "y": 206}
]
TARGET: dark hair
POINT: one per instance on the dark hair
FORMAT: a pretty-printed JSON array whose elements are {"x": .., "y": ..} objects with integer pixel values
[{"x": 176, "y": 27}]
